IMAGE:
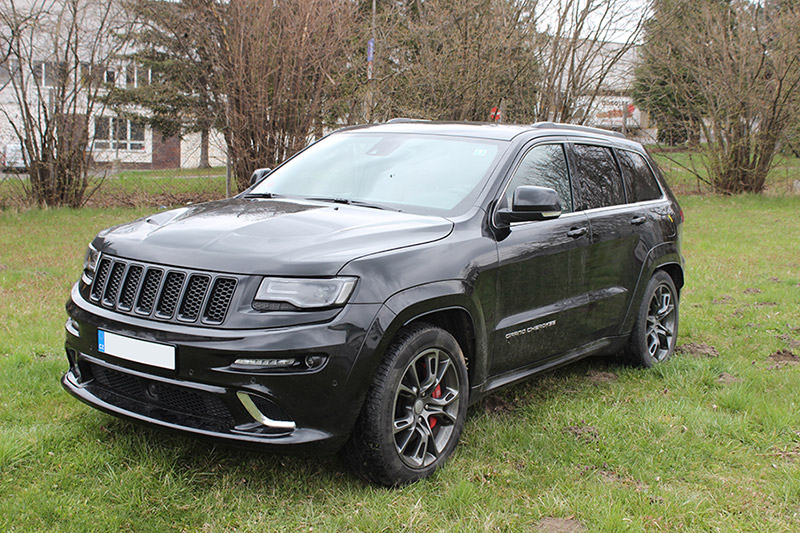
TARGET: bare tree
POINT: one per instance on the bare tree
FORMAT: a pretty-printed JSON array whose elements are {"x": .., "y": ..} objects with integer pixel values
[
  {"x": 744, "y": 63},
  {"x": 579, "y": 46},
  {"x": 455, "y": 60},
  {"x": 57, "y": 51},
  {"x": 267, "y": 73},
  {"x": 538, "y": 59}
]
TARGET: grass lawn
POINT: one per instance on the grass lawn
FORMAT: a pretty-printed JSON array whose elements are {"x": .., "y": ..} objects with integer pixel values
[
  {"x": 680, "y": 168},
  {"x": 710, "y": 440}
]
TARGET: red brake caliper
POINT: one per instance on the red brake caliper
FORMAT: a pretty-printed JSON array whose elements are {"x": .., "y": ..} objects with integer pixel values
[{"x": 437, "y": 393}]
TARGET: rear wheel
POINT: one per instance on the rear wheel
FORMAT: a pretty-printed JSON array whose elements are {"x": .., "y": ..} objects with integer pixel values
[
  {"x": 656, "y": 330},
  {"x": 414, "y": 411}
]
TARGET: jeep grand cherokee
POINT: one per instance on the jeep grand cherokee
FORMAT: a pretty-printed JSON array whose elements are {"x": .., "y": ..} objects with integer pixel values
[{"x": 365, "y": 292}]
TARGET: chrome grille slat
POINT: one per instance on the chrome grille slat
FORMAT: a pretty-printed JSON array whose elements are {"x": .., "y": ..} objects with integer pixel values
[{"x": 162, "y": 293}]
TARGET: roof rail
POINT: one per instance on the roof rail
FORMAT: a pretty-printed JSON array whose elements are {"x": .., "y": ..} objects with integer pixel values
[
  {"x": 400, "y": 120},
  {"x": 575, "y": 127}
]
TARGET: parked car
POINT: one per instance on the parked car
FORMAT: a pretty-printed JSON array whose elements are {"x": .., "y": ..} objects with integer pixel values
[
  {"x": 11, "y": 159},
  {"x": 366, "y": 291}
]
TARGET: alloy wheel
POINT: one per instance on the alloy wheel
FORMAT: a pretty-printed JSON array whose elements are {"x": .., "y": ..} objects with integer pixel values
[
  {"x": 661, "y": 323},
  {"x": 426, "y": 408}
]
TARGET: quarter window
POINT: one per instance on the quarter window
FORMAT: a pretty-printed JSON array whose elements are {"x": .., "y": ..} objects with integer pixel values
[
  {"x": 639, "y": 180},
  {"x": 544, "y": 165},
  {"x": 598, "y": 175}
]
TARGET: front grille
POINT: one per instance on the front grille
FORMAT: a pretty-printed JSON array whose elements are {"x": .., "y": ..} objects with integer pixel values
[
  {"x": 162, "y": 293},
  {"x": 172, "y": 403},
  {"x": 193, "y": 299},
  {"x": 170, "y": 294}
]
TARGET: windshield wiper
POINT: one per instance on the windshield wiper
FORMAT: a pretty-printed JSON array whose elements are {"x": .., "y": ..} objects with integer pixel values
[
  {"x": 347, "y": 201},
  {"x": 262, "y": 195}
]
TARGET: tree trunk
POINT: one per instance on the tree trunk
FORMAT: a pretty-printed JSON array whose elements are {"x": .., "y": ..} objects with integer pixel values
[{"x": 204, "y": 140}]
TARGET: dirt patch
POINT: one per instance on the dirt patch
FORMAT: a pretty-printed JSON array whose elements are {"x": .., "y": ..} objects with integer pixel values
[
  {"x": 793, "y": 343},
  {"x": 765, "y": 304},
  {"x": 696, "y": 349},
  {"x": 773, "y": 279},
  {"x": 550, "y": 524},
  {"x": 784, "y": 356},
  {"x": 595, "y": 376},
  {"x": 724, "y": 299},
  {"x": 496, "y": 404},
  {"x": 753, "y": 290},
  {"x": 609, "y": 476},
  {"x": 584, "y": 433},
  {"x": 727, "y": 379}
]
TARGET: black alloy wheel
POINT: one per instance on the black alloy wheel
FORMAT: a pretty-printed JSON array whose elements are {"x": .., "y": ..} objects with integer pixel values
[{"x": 414, "y": 411}]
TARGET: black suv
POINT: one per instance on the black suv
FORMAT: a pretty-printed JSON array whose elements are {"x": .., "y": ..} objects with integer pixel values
[{"x": 367, "y": 290}]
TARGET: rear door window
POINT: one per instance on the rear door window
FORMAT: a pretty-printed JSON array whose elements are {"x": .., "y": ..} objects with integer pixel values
[
  {"x": 639, "y": 180},
  {"x": 544, "y": 165},
  {"x": 598, "y": 176}
]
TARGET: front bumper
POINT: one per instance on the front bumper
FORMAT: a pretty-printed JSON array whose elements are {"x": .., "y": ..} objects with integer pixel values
[{"x": 309, "y": 410}]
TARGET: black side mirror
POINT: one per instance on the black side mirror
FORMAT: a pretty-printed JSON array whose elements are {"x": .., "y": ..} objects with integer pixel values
[
  {"x": 258, "y": 175},
  {"x": 531, "y": 203}
]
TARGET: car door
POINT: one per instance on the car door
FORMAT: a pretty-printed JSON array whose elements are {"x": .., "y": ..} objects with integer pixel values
[
  {"x": 538, "y": 284},
  {"x": 616, "y": 254}
]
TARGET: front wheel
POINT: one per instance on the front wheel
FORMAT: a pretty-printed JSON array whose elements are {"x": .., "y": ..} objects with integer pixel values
[
  {"x": 414, "y": 410},
  {"x": 656, "y": 329}
]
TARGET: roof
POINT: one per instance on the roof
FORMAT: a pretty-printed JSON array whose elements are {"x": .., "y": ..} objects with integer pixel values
[{"x": 502, "y": 132}]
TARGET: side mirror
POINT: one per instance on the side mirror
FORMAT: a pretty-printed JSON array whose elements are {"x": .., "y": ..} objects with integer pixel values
[
  {"x": 258, "y": 175},
  {"x": 531, "y": 203}
]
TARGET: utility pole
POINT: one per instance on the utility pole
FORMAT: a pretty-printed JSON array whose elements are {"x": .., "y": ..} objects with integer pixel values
[{"x": 370, "y": 67}]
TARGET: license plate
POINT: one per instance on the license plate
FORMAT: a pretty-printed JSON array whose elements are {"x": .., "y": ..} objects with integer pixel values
[{"x": 138, "y": 351}]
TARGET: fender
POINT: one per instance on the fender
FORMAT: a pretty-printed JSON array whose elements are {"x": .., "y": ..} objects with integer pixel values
[
  {"x": 418, "y": 302},
  {"x": 663, "y": 254},
  {"x": 415, "y": 303}
]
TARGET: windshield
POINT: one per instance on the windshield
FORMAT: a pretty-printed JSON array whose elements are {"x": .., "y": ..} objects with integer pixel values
[{"x": 421, "y": 174}]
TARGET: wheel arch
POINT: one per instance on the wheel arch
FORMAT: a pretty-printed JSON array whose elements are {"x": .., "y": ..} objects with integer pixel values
[{"x": 450, "y": 306}]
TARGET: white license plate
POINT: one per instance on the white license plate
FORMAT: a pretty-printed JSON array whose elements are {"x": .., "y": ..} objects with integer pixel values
[{"x": 138, "y": 351}]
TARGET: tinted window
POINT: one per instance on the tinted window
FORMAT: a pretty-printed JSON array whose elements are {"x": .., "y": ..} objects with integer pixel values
[
  {"x": 544, "y": 166},
  {"x": 599, "y": 178},
  {"x": 639, "y": 180}
]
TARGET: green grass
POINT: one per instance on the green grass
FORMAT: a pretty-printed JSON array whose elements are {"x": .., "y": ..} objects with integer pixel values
[
  {"x": 133, "y": 188},
  {"x": 663, "y": 449},
  {"x": 686, "y": 172}
]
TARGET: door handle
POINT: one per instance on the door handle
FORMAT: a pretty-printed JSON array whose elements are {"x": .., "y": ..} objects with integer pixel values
[
  {"x": 577, "y": 232},
  {"x": 638, "y": 221}
]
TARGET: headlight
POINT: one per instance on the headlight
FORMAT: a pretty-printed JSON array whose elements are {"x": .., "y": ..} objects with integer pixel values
[
  {"x": 304, "y": 293},
  {"x": 90, "y": 264}
]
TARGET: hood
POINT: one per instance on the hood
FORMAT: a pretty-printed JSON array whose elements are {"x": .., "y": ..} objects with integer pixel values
[{"x": 268, "y": 236}]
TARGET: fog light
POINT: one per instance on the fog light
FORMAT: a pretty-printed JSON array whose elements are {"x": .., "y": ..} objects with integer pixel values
[
  {"x": 267, "y": 363},
  {"x": 314, "y": 361}
]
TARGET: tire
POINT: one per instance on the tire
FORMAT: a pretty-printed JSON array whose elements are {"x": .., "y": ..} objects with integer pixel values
[
  {"x": 412, "y": 418},
  {"x": 652, "y": 340}
]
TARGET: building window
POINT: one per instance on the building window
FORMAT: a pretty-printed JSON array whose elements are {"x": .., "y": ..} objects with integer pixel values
[
  {"x": 115, "y": 133},
  {"x": 136, "y": 76},
  {"x": 110, "y": 76}
]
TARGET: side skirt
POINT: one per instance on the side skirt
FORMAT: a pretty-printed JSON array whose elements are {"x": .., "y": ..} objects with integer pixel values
[{"x": 604, "y": 345}]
